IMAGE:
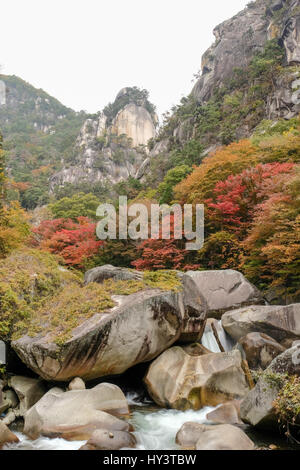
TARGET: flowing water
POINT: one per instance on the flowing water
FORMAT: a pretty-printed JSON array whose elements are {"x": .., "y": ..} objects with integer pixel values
[
  {"x": 158, "y": 429},
  {"x": 155, "y": 428}
]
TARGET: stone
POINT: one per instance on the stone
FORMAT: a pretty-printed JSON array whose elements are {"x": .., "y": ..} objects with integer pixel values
[
  {"x": 179, "y": 380},
  {"x": 212, "y": 437},
  {"x": 228, "y": 413},
  {"x": 224, "y": 437},
  {"x": 6, "y": 436},
  {"x": 76, "y": 414},
  {"x": 136, "y": 330},
  {"x": 9, "y": 400},
  {"x": 103, "y": 439},
  {"x": 107, "y": 271},
  {"x": 76, "y": 384},
  {"x": 29, "y": 391},
  {"x": 224, "y": 290},
  {"x": 282, "y": 323},
  {"x": 257, "y": 406},
  {"x": 260, "y": 349}
]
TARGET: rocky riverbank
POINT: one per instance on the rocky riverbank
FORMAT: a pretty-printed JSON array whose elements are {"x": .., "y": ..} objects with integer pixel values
[{"x": 222, "y": 374}]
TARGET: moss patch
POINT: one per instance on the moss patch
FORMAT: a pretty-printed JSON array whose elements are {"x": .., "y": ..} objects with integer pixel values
[
  {"x": 165, "y": 280},
  {"x": 28, "y": 279}
]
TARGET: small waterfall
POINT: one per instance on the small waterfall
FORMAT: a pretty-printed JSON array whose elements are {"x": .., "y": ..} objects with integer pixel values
[{"x": 209, "y": 341}]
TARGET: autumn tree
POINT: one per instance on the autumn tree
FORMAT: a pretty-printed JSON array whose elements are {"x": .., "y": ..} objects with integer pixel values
[{"x": 74, "y": 241}]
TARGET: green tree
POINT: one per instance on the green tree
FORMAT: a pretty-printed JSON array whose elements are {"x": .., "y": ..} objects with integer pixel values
[
  {"x": 78, "y": 205},
  {"x": 173, "y": 177}
]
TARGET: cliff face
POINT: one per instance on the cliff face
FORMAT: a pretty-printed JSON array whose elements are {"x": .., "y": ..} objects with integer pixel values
[
  {"x": 112, "y": 146},
  {"x": 250, "y": 73},
  {"x": 239, "y": 38}
]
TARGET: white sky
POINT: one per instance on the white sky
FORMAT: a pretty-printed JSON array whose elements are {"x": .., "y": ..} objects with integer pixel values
[{"x": 84, "y": 52}]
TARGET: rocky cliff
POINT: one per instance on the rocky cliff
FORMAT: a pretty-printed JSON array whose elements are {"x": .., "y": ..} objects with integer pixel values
[
  {"x": 112, "y": 145},
  {"x": 250, "y": 73},
  {"x": 240, "y": 37}
]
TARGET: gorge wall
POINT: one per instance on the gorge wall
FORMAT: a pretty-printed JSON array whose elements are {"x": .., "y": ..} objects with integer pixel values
[{"x": 112, "y": 145}]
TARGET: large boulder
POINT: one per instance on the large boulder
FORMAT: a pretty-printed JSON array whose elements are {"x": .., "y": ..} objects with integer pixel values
[
  {"x": 213, "y": 437},
  {"x": 183, "y": 380},
  {"x": 260, "y": 349},
  {"x": 6, "y": 436},
  {"x": 194, "y": 303},
  {"x": 282, "y": 323},
  {"x": 28, "y": 390},
  {"x": 137, "y": 329},
  {"x": 76, "y": 414},
  {"x": 223, "y": 290},
  {"x": 102, "y": 439},
  {"x": 257, "y": 408}
]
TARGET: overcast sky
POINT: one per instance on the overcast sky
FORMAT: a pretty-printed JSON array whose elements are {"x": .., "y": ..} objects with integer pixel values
[{"x": 84, "y": 52}]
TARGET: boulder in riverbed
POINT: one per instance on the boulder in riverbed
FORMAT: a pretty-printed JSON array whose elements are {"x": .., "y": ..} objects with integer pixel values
[
  {"x": 282, "y": 323},
  {"x": 76, "y": 414},
  {"x": 213, "y": 437},
  {"x": 228, "y": 413},
  {"x": 102, "y": 439},
  {"x": 260, "y": 349},
  {"x": 183, "y": 381},
  {"x": 137, "y": 329},
  {"x": 29, "y": 391},
  {"x": 224, "y": 290}
]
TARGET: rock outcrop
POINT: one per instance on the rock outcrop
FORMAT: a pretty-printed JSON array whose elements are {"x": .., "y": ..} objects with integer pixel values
[
  {"x": 238, "y": 38},
  {"x": 218, "y": 437},
  {"x": 76, "y": 414},
  {"x": 257, "y": 408},
  {"x": 113, "y": 145},
  {"x": 183, "y": 381},
  {"x": 282, "y": 323}
]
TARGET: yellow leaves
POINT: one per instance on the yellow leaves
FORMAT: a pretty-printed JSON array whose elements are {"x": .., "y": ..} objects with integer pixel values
[
  {"x": 217, "y": 167},
  {"x": 14, "y": 228}
]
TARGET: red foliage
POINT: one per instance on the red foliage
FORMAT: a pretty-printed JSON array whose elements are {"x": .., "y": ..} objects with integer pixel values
[
  {"x": 164, "y": 254},
  {"x": 74, "y": 241},
  {"x": 236, "y": 198}
]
